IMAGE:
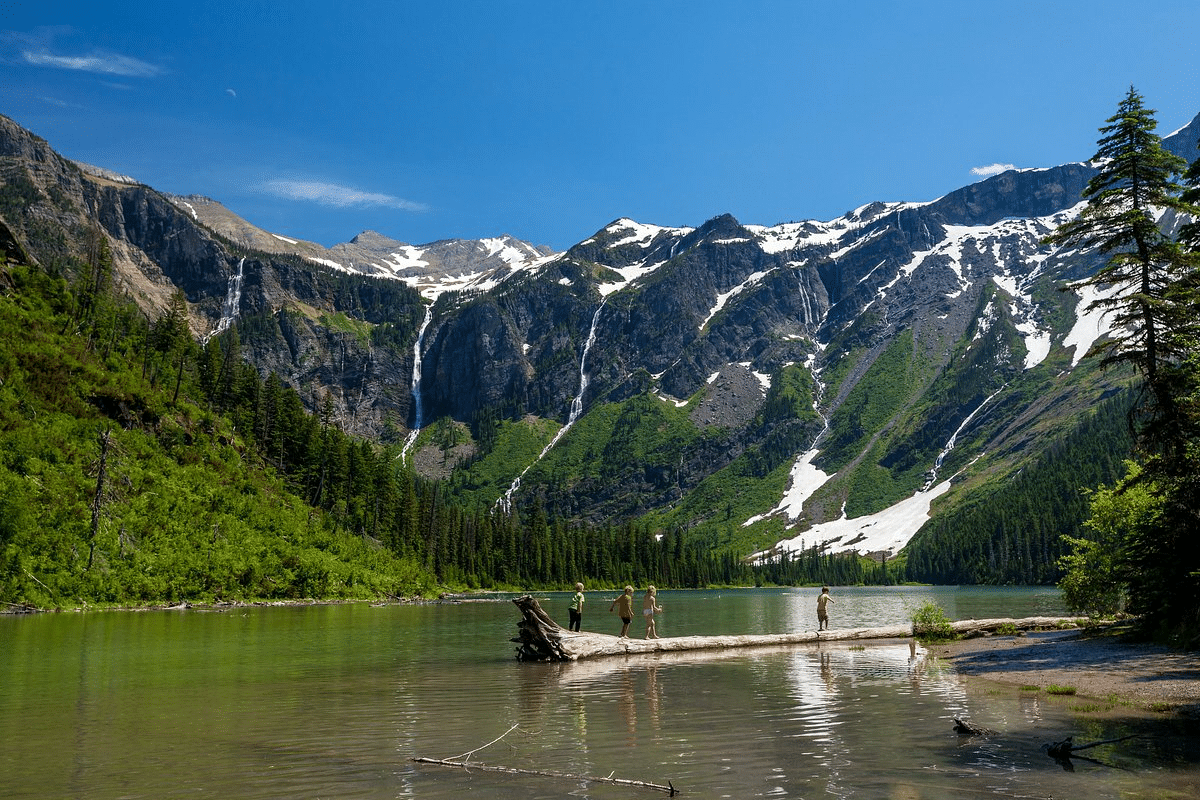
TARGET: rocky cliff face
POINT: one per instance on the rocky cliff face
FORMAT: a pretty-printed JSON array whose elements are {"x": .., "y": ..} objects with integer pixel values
[
  {"x": 885, "y": 350},
  {"x": 320, "y": 332}
]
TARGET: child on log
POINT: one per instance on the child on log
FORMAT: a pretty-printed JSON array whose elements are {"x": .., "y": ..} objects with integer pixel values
[
  {"x": 624, "y": 606},
  {"x": 822, "y": 609},
  {"x": 576, "y": 609},
  {"x": 649, "y": 609}
]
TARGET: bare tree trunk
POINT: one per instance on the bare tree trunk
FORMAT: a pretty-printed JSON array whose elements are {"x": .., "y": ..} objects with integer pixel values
[{"x": 98, "y": 500}]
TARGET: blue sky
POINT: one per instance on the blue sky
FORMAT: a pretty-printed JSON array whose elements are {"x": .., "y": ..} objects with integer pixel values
[{"x": 547, "y": 120}]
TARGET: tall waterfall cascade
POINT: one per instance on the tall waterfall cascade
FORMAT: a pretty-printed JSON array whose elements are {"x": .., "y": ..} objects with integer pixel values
[
  {"x": 418, "y": 406},
  {"x": 233, "y": 300}
]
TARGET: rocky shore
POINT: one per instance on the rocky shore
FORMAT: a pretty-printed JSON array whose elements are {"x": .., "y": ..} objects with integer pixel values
[{"x": 1104, "y": 666}]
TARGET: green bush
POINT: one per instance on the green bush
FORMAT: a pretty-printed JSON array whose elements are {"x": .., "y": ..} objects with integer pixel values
[{"x": 930, "y": 623}]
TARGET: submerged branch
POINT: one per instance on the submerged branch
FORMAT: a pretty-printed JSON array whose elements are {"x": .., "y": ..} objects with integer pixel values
[
  {"x": 467, "y": 755},
  {"x": 668, "y": 789},
  {"x": 1065, "y": 748}
]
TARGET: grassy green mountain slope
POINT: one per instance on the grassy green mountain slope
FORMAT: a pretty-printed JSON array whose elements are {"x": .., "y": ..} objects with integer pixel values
[{"x": 112, "y": 492}]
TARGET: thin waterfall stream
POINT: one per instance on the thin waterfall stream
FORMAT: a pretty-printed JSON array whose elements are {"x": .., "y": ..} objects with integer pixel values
[
  {"x": 418, "y": 408},
  {"x": 576, "y": 408},
  {"x": 931, "y": 475}
]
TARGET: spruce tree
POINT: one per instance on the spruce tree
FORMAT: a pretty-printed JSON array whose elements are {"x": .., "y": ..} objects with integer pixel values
[{"x": 1134, "y": 186}]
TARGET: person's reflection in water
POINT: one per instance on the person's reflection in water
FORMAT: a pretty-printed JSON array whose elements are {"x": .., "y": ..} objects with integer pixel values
[
  {"x": 653, "y": 696},
  {"x": 579, "y": 707},
  {"x": 628, "y": 705}
]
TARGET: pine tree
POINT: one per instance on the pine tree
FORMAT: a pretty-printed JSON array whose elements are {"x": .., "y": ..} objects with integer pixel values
[{"x": 1135, "y": 183}]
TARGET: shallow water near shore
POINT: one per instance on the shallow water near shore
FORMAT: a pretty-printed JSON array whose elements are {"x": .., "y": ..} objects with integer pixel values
[{"x": 335, "y": 701}]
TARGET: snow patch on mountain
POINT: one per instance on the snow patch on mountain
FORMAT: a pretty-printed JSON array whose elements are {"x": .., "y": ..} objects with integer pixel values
[
  {"x": 805, "y": 478},
  {"x": 638, "y": 233},
  {"x": 628, "y": 275},
  {"x": 1090, "y": 323},
  {"x": 406, "y": 257},
  {"x": 724, "y": 297},
  {"x": 509, "y": 250},
  {"x": 642, "y": 235},
  {"x": 886, "y": 531},
  {"x": 790, "y": 235}
]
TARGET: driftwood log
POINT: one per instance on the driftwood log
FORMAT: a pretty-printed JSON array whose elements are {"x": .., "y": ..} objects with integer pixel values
[{"x": 540, "y": 638}]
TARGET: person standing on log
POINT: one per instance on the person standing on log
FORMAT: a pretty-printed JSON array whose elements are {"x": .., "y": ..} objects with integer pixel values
[
  {"x": 822, "y": 609},
  {"x": 576, "y": 609},
  {"x": 624, "y": 606},
  {"x": 649, "y": 609}
]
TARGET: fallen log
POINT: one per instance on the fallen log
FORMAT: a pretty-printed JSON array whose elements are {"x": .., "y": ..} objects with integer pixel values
[{"x": 540, "y": 638}]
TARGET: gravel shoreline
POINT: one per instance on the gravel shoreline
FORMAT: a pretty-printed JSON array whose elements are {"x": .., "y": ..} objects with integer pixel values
[{"x": 1147, "y": 676}]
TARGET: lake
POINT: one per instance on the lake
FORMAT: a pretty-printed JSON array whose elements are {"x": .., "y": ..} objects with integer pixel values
[{"x": 333, "y": 701}]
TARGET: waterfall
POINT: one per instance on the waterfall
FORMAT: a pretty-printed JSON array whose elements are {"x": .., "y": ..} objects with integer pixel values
[
  {"x": 233, "y": 299},
  {"x": 505, "y": 502},
  {"x": 418, "y": 408},
  {"x": 931, "y": 475},
  {"x": 584, "y": 379}
]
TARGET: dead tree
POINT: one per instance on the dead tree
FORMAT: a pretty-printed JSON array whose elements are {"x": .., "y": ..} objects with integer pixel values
[{"x": 98, "y": 500}]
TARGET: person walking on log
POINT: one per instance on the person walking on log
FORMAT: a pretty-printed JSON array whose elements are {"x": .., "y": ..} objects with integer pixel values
[
  {"x": 822, "y": 609},
  {"x": 649, "y": 609},
  {"x": 624, "y": 606},
  {"x": 576, "y": 609}
]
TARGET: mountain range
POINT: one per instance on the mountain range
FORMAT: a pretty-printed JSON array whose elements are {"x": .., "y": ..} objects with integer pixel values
[{"x": 843, "y": 383}]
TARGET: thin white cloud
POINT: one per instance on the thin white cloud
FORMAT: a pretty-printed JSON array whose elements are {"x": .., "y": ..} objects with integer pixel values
[
  {"x": 991, "y": 169},
  {"x": 330, "y": 194},
  {"x": 101, "y": 62}
]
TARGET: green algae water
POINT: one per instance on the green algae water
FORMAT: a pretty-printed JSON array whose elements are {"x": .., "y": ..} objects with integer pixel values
[{"x": 334, "y": 701}]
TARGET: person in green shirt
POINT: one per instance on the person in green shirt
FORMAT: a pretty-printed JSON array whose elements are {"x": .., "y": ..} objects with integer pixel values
[{"x": 576, "y": 609}]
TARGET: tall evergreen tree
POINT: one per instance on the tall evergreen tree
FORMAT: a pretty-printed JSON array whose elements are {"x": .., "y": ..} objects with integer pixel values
[
  {"x": 1134, "y": 185},
  {"x": 1152, "y": 280}
]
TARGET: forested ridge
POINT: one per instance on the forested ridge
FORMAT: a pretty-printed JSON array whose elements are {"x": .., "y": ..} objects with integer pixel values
[
  {"x": 140, "y": 466},
  {"x": 1013, "y": 534}
]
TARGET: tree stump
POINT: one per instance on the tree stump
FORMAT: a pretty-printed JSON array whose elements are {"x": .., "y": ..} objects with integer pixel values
[{"x": 539, "y": 638}]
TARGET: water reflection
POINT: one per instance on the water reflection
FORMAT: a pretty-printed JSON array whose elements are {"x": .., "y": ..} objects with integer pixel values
[{"x": 335, "y": 701}]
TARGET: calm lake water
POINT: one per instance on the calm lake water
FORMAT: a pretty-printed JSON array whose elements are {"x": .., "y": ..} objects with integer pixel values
[{"x": 335, "y": 701}]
